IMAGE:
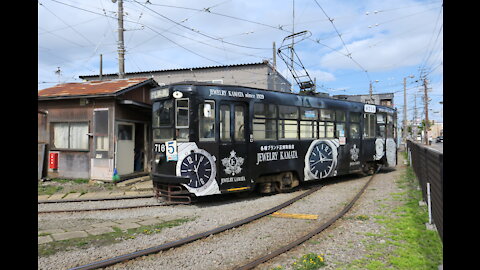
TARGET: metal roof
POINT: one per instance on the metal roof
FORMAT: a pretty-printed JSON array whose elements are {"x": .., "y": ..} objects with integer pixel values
[
  {"x": 265, "y": 62},
  {"x": 94, "y": 88}
]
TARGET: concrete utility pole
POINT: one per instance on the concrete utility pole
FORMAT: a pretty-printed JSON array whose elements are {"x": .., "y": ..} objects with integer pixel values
[
  {"x": 101, "y": 71},
  {"x": 274, "y": 66},
  {"x": 405, "y": 110},
  {"x": 405, "y": 131},
  {"x": 414, "y": 123},
  {"x": 427, "y": 123},
  {"x": 121, "y": 46},
  {"x": 370, "y": 91}
]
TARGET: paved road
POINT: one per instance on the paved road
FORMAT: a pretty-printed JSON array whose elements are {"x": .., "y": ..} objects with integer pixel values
[{"x": 437, "y": 146}]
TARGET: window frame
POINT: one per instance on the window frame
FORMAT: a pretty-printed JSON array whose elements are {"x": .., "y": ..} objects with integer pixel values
[
  {"x": 169, "y": 127},
  {"x": 265, "y": 118},
  {"x": 281, "y": 122},
  {"x": 200, "y": 115},
  {"x": 52, "y": 137}
]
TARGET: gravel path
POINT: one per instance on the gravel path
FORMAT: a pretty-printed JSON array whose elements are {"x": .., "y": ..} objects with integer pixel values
[
  {"x": 347, "y": 239},
  {"x": 236, "y": 246},
  {"x": 228, "y": 249}
]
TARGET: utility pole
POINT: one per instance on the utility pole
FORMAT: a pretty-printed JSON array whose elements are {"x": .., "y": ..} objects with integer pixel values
[
  {"x": 121, "y": 46},
  {"x": 274, "y": 66},
  {"x": 414, "y": 123},
  {"x": 427, "y": 123},
  {"x": 101, "y": 71},
  {"x": 371, "y": 93},
  {"x": 405, "y": 109}
]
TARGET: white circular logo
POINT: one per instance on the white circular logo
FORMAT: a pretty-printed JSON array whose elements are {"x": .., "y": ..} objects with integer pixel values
[{"x": 177, "y": 94}]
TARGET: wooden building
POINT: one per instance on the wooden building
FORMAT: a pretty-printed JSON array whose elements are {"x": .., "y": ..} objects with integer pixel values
[{"x": 95, "y": 128}]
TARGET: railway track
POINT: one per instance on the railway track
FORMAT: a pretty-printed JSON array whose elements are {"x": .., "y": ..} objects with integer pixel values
[{"x": 252, "y": 264}]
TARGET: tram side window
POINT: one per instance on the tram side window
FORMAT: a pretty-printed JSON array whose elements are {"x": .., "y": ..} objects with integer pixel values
[
  {"x": 355, "y": 125},
  {"x": 390, "y": 126},
  {"x": 225, "y": 123},
  {"x": 239, "y": 119},
  {"x": 206, "y": 112},
  {"x": 369, "y": 123},
  {"x": 326, "y": 124},
  {"x": 308, "y": 123},
  {"x": 381, "y": 125},
  {"x": 181, "y": 118},
  {"x": 287, "y": 123},
  {"x": 340, "y": 124},
  {"x": 264, "y": 121},
  {"x": 162, "y": 122}
]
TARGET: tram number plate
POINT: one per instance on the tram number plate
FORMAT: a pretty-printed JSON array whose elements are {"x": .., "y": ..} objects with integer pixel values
[
  {"x": 159, "y": 147},
  {"x": 171, "y": 149}
]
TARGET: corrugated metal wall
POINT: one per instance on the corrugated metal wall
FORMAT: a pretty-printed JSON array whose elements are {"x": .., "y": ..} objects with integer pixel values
[{"x": 428, "y": 167}]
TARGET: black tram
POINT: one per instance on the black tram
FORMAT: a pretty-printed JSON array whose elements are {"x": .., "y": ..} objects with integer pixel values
[{"x": 214, "y": 138}]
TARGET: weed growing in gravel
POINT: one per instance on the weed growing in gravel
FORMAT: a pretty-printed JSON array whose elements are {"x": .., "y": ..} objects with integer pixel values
[
  {"x": 407, "y": 243},
  {"x": 309, "y": 261}
]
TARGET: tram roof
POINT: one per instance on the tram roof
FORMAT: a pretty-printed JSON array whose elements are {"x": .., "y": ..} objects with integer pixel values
[{"x": 196, "y": 83}]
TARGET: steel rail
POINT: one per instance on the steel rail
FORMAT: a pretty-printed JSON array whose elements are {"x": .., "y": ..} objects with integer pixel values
[
  {"x": 177, "y": 243},
  {"x": 304, "y": 238},
  {"x": 100, "y": 209},
  {"x": 98, "y": 199}
]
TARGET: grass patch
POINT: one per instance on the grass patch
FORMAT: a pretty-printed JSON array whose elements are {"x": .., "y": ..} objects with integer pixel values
[
  {"x": 118, "y": 235},
  {"x": 48, "y": 189},
  {"x": 408, "y": 245}
]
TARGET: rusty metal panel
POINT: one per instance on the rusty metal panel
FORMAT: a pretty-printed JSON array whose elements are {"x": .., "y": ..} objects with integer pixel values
[{"x": 103, "y": 87}]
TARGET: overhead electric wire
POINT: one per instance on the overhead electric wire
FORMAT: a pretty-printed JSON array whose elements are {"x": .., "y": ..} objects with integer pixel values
[
  {"x": 198, "y": 32},
  {"x": 349, "y": 55}
]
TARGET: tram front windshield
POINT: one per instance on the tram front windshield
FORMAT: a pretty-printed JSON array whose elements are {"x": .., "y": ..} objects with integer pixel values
[{"x": 170, "y": 119}]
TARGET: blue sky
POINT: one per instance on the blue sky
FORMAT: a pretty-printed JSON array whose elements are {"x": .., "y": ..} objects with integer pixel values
[{"x": 352, "y": 43}]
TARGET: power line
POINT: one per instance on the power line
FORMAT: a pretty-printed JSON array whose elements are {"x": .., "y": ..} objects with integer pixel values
[{"x": 198, "y": 31}]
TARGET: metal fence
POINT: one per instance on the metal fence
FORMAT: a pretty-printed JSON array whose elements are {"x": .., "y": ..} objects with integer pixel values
[{"x": 428, "y": 167}]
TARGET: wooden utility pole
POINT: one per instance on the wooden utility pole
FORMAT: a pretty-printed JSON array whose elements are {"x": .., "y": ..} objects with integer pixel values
[
  {"x": 121, "y": 46},
  {"x": 427, "y": 123}
]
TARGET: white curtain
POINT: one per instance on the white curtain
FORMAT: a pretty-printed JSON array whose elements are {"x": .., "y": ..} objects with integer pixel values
[
  {"x": 78, "y": 136},
  {"x": 60, "y": 131}
]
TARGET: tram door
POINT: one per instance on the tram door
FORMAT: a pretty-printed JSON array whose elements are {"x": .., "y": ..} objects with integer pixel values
[{"x": 233, "y": 150}]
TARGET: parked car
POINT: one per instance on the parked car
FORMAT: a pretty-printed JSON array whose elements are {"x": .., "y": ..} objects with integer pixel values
[{"x": 439, "y": 139}]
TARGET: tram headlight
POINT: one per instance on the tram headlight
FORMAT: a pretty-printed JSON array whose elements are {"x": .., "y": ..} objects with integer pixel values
[{"x": 157, "y": 158}]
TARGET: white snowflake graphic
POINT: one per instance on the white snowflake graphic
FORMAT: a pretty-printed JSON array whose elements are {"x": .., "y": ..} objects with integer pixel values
[
  {"x": 354, "y": 152},
  {"x": 232, "y": 163}
]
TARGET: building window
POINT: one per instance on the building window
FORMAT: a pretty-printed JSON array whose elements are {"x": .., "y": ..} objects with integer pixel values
[
  {"x": 206, "y": 112},
  {"x": 70, "y": 135},
  {"x": 100, "y": 127}
]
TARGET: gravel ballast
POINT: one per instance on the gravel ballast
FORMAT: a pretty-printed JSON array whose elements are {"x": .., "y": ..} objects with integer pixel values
[{"x": 239, "y": 245}]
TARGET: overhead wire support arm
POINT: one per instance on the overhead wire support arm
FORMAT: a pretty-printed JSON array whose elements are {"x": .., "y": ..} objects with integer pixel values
[{"x": 294, "y": 63}]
